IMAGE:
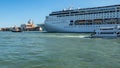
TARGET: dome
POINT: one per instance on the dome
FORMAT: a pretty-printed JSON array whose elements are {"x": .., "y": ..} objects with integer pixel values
[{"x": 30, "y": 21}]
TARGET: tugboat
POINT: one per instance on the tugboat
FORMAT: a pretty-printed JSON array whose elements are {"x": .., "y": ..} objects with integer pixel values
[{"x": 16, "y": 29}]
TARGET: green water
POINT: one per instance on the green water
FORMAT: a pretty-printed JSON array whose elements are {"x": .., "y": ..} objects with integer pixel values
[{"x": 57, "y": 50}]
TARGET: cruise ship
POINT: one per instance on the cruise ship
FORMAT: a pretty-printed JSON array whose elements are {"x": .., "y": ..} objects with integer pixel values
[{"x": 83, "y": 20}]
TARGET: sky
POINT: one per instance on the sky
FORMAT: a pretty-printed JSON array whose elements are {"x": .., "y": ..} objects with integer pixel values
[{"x": 17, "y": 12}]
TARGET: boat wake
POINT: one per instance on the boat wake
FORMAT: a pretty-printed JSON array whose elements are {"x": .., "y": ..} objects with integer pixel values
[
  {"x": 72, "y": 36},
  {"x": 67, "y": 36}
]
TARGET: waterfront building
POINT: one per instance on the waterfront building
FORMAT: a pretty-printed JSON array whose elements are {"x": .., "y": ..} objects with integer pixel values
[
  {"x": 30, "y": 25},
  {"x": 83, "y": 20},
  {"x": 6, "y": 29}
]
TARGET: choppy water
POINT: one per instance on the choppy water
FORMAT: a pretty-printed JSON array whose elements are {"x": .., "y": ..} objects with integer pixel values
[{"x": 57, "y": 50}]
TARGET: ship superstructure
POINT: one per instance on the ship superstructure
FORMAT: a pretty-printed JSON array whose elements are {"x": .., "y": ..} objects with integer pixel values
[{"x": 83, "y": 20}]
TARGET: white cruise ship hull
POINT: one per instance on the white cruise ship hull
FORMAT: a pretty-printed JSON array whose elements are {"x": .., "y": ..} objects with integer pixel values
[
  {"x": 83, "y": 20},
  {"x": 74, "y": 28}
]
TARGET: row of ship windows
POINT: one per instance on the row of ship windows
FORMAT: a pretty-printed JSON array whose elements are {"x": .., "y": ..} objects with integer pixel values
[
  {"x": 89, "y": 15},
  {"x": 112, "y": 8},
  {"x": 88, "y": 23},
  {"x": 82, "y": 26},
  {"x": 74, "y": 14},
  {"x": 82, "y": 12},
  {"x": 94, "y": 23},
  {"x": 57, "y": 22},
  {"x": 95, "y": 17}
]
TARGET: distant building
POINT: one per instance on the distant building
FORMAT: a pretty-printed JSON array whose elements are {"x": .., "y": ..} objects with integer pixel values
[
  {"x": 29, "y": 26},
  {"x": 41, "y": 26},
  {"x": 6, "y": 29}
]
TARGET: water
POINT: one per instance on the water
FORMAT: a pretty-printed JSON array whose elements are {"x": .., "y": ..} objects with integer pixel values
[{"x": 57, "y": 50}]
